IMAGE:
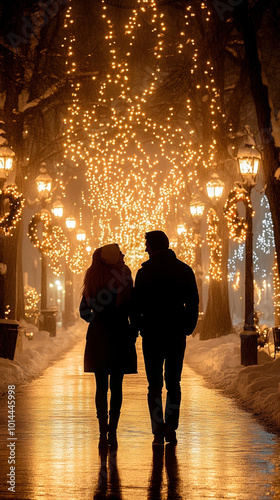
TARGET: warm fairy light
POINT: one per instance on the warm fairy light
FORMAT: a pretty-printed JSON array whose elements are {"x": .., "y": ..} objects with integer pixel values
[
  {"x": 79, "y": 260},
  {"x": 52, "y": 241},
  {"x": 31, "y": 303},
  {"x": 215, "y": 243},
  {"x": 139, "y": 164},
  {"x": 188, "y": 242},
  {"x": 13, "y": 202},
  {"x": 237, "y": 225}
]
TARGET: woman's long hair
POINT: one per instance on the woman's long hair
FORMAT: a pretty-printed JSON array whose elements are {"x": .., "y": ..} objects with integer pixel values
[{"x": 101, "y": 276}]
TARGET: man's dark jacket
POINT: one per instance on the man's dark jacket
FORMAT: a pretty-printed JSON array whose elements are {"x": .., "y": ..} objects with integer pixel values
[{"x": 165, "y": 297}]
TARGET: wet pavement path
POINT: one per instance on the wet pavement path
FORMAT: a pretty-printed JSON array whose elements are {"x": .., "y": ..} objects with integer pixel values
[{"x": 222, "y": 452}]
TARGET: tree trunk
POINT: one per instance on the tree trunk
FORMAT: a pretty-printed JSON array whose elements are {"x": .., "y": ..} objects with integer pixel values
[
  {"x": 217, "y": 320},
  {"x": 261, "y": 100}
]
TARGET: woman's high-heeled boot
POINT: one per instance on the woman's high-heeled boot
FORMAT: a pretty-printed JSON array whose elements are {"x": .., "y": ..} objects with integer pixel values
[
  {"x": 113, "y": 425},
  {"x": 103, "y": 431}
]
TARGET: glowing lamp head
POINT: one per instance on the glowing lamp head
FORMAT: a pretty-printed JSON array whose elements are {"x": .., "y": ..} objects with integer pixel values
[
  {"x": 181, "y": 228},
  {"x": 57, "y": 209},
  {"x": 197, "y": 209},
  {"x": 29, "y": 334},
  {"x": 248, "y": 160},
  {"x": 44, "y": 184},
  {"x": 215, "y": 188},
  {"x": 70, "y": 223},
  {"x": 6, "y": 161},
  {"x": 81, "y": 235}
]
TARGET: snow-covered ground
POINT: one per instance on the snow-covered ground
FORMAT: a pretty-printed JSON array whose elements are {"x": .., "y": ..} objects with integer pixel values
[
  {"x": 33, "y": 356},
  {"x": 218, "y": 359},
  {"x": 257, "y": 386}
]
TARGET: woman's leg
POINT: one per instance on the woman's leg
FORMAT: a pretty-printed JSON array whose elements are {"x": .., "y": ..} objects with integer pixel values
[
  {"x": 116, "y": 380},
  {"x": 101, "y": 401}
]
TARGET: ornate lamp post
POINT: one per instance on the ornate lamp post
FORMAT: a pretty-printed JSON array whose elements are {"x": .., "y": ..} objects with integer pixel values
[
  {"x": 215, "y": 189},
  {"x": 68, "y": 316},
  {"x": 248, "y": 161},
  {"x": 197, "y": 210},
  {"x": 216, "y": 320},
  {"x": 6, "y": 166},
  {"x": 44, "y": 187}
]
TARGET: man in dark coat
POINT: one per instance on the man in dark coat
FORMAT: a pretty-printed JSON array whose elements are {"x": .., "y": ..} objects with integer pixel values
[{"x": 166, "y": 311}]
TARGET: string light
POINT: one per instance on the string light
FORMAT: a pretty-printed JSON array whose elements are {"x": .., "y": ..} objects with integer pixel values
[
  {"x": 53, "y": 242},
  {"x": 138, "y": 165},
  {"x": 215, "y": 243},
  {"x": 31, "y": 306},
  {"x": 237, "y": 225},
  {"x": 12, "y": 209}
]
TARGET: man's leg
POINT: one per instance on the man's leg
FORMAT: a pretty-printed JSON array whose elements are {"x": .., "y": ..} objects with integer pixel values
[
  {"x": 173, "y": 368},
  {"x": 154, "y": 359}
]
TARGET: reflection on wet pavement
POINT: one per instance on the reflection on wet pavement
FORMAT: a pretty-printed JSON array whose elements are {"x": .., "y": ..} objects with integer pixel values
[{"x": 222, "y": 452}]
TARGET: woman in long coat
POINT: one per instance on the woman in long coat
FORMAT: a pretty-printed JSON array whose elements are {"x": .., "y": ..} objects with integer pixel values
[{"x": 110, "y": 345}]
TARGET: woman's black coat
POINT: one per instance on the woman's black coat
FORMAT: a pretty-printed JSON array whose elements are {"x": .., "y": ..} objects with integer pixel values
[{"x": 110, "y": 343}]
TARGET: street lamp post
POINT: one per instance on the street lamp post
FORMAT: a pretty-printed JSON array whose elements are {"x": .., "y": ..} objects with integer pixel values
[
  {"x": 68, "y": 316},
  {"x": 6, "y": 166},
  {"x": 197, "y": 210},
  {"x": 44, "y": 187},
  {"x": 248, "y": 161}
]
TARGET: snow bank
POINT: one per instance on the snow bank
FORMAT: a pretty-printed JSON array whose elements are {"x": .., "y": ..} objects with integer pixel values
[
  {"x": 33, "y": 356},
  {"x": 258, "y": 386}
]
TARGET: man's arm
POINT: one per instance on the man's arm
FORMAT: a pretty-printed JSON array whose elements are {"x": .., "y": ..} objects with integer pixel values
[{"x": 192, "y": 301}]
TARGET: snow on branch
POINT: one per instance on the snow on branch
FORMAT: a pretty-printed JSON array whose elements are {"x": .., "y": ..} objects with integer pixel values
[{"x": 23, "y": 97}]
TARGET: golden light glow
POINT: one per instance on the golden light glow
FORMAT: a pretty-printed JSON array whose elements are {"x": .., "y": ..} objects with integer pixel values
[
  {"x": 215, "y": 243},
  {"x": 13, "y": 202},
  {"x": 138, "y": 164},
  {"x": 237, "y": 225}
]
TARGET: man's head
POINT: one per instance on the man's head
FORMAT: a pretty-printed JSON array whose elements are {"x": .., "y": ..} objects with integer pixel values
[{"x": 155, "y": 241}]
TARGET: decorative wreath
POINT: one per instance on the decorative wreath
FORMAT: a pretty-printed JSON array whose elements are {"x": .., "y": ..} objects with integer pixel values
[
  {"x": 44, "y": 245},
  {"x": 53, "y": 243},
  {"x": 237, "y": 225},
  {"x": 13, "y": 211}
]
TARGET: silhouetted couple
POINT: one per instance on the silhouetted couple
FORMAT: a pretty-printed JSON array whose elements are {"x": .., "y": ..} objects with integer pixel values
[{"x": 163, "y": 307}]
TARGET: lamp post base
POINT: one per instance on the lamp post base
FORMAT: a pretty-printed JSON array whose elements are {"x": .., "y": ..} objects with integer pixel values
[{"x": 249, "y": 347}]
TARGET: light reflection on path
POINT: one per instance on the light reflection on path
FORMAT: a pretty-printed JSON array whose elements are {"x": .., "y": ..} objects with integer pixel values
[{"x": 222, "y": 451}]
